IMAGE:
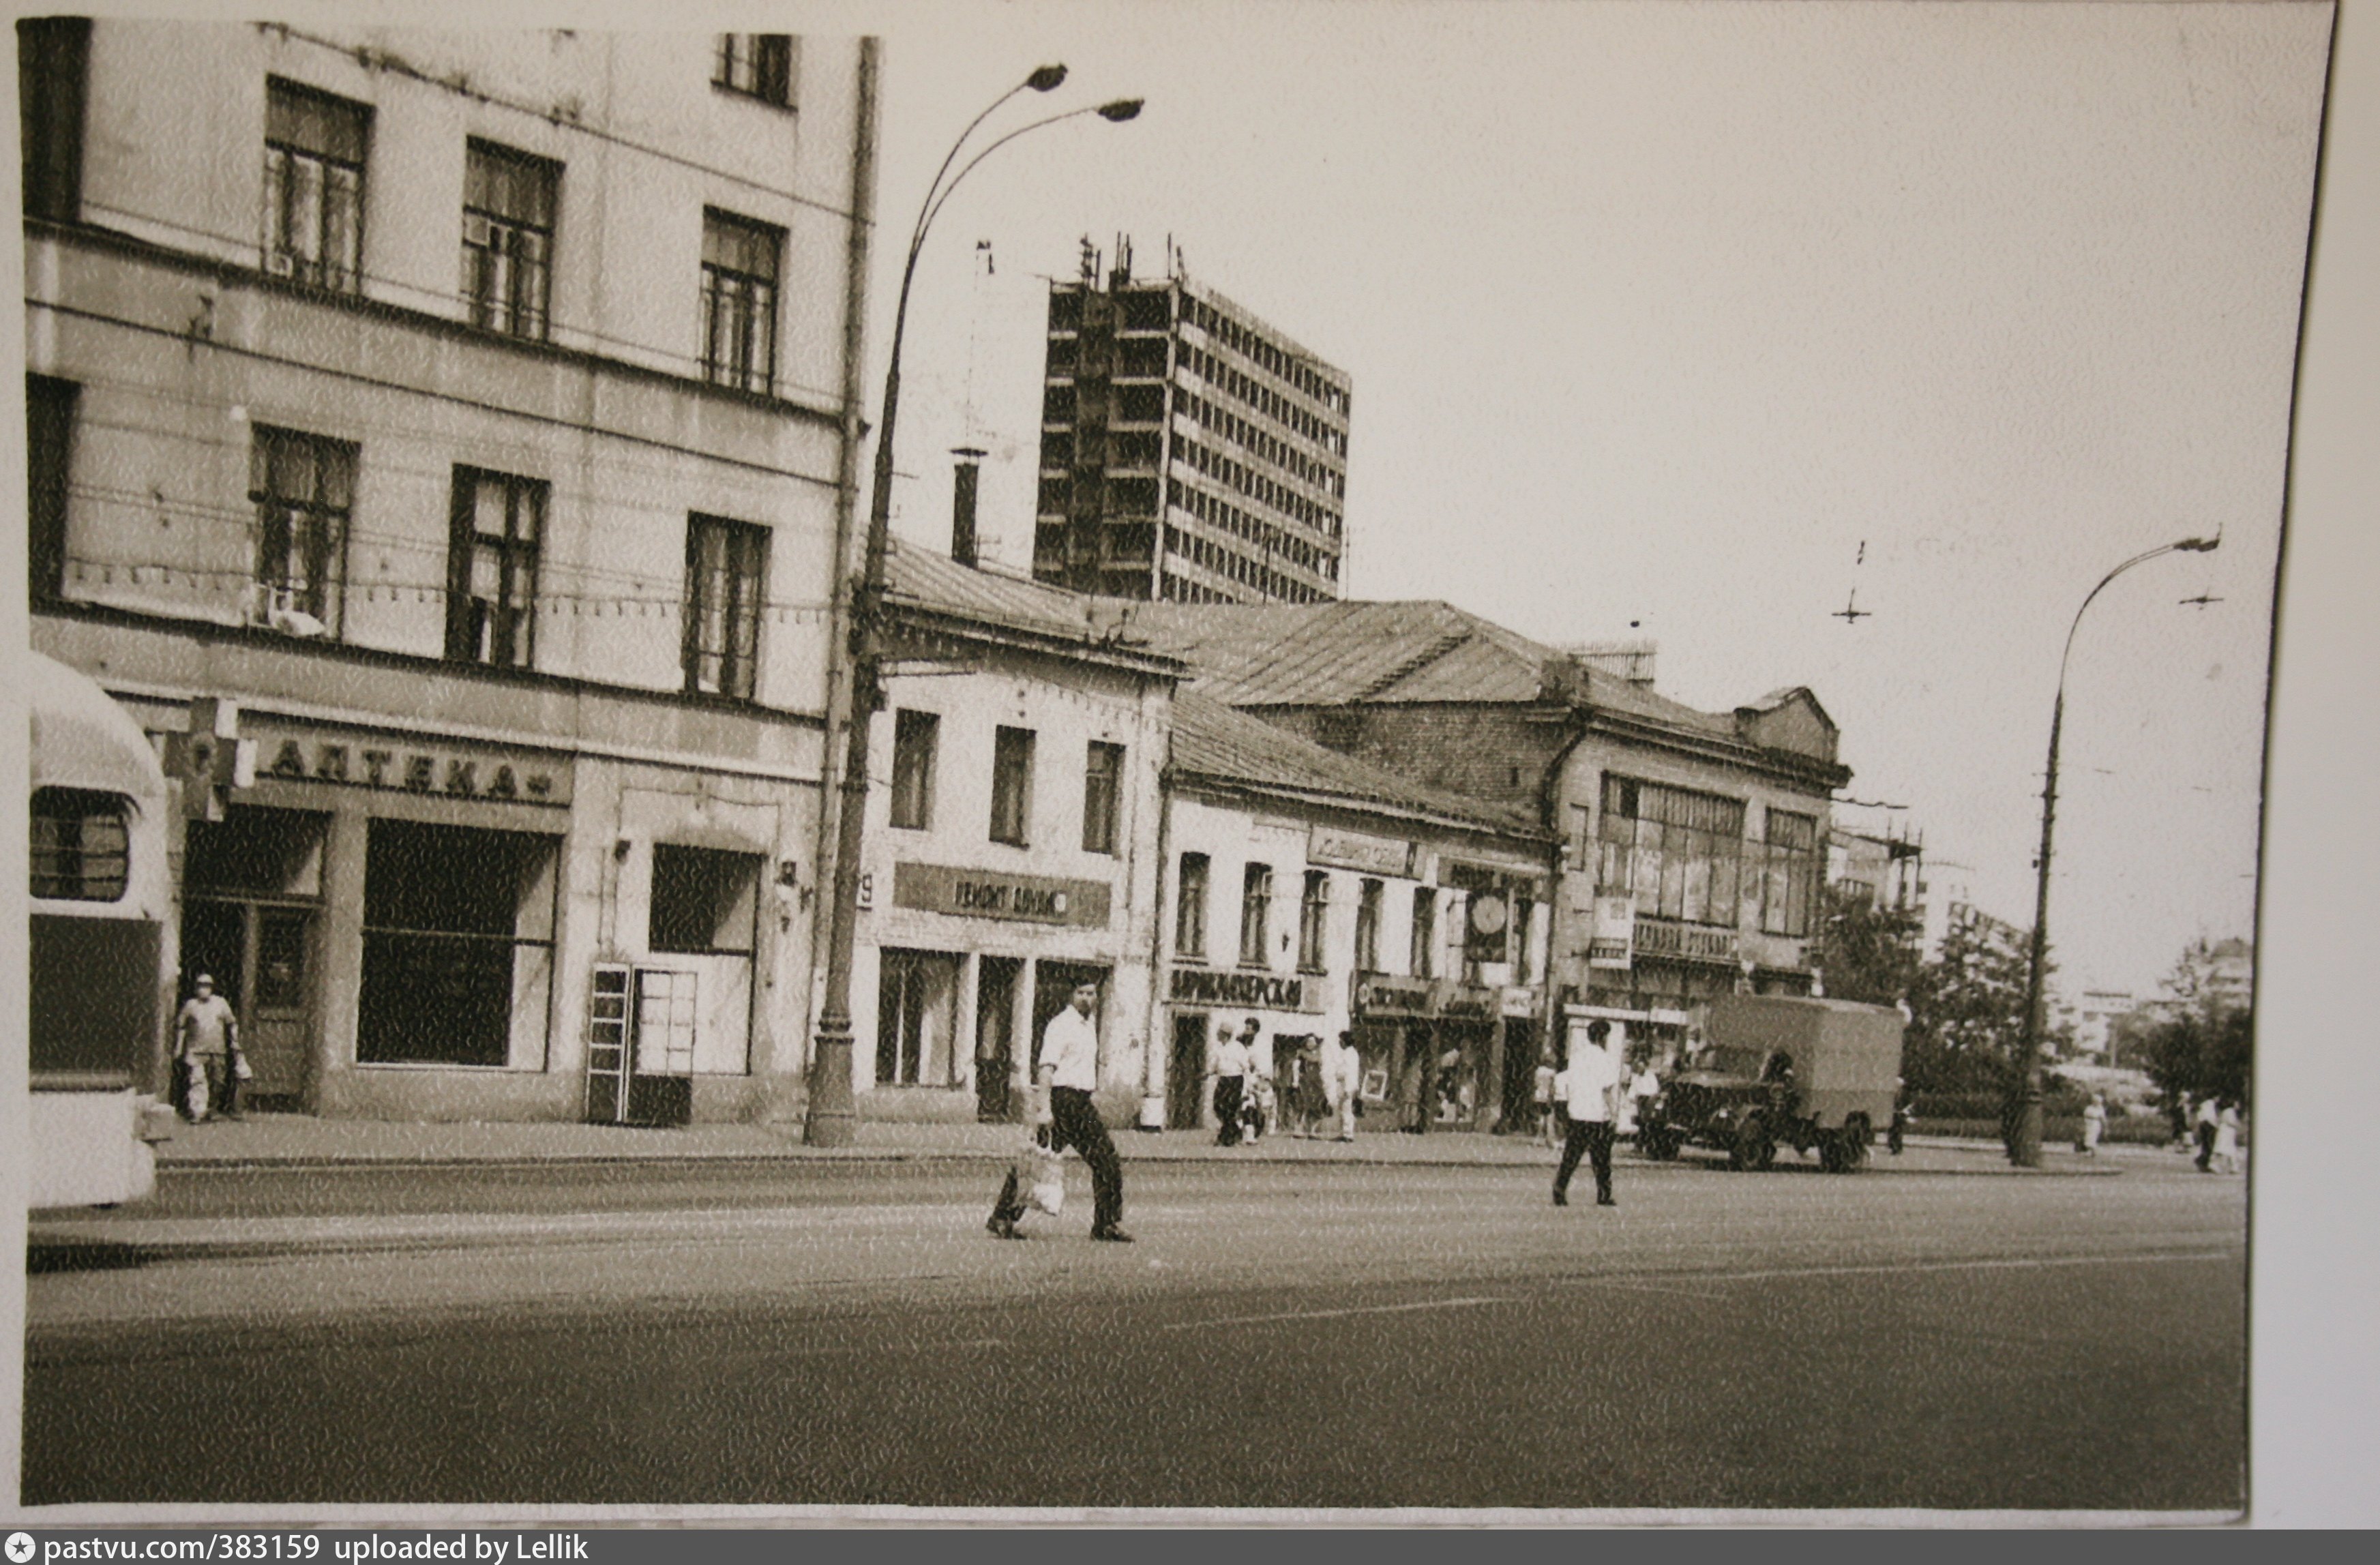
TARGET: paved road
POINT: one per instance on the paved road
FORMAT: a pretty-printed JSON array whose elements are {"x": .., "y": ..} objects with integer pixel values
[{"x": 1281, "y": 1336}]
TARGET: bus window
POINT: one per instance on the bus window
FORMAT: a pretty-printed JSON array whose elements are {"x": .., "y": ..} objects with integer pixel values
[{"x": 81, "y": 846}]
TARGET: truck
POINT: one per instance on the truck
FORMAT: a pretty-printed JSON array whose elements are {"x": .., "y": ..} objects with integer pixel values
[{"x": 1781, "y": 1069}]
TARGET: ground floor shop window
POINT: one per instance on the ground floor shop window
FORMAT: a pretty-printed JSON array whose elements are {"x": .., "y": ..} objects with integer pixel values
[
  {"x": 459, "y": 946},
  {"x": 917, "y": 1013}
]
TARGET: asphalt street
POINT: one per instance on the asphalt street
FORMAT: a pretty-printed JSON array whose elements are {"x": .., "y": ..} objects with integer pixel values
[{"x": 1281, "y": 1335}]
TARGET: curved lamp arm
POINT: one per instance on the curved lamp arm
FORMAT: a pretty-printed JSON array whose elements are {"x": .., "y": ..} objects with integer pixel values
[{"x": 1115, "y": 112}]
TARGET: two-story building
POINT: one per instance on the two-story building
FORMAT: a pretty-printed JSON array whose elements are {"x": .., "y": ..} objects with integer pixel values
[
  {"x": 465, "y": 422},
  {"x": 1692, "y": 844},
  {"x": 1011, "y": 844},
  {"x": 1317, "y": 895}
]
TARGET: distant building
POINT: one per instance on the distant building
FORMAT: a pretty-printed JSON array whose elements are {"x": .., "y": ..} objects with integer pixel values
[
  {"x": 1190, "y": 453},
  {"x": 1886, "y": 870},
  {"x": 2097, "y": 1021}
]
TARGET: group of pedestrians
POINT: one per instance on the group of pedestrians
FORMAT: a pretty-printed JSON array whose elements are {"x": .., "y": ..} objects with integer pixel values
[
  {"x": 1258, "y": 1088},
  {"x": 2219, "y": 1130}
]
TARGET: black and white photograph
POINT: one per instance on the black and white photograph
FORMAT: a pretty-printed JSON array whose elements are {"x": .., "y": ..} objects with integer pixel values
[{"x": 1275, "y": 761}]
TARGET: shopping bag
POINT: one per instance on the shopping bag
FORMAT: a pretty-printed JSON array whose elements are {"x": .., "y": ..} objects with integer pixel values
[
  {"x": 194, "y": 1086},
  {"x": 1042, "y": 1172},
  {"x": 240, "y": 1069}
]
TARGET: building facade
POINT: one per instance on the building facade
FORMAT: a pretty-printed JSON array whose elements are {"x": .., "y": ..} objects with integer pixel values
[
  {"x": 1318, "y": 897},
  {"x": 1011, "y": 845},
  {"x": 462, "y": 426},
  {"x": 1190, "y": 453},
  {"x": 1691, "y": 848}
]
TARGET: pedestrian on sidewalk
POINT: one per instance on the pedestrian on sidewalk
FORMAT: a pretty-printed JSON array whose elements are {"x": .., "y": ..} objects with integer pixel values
[
  {"x": 2226, "y": 1158},
  {"x": 2095, "y": 1125},
  {"x": 1594, "y": 1083},
  {"x": 2210, "y": 1117},
  {"x": 1344, "y": 1074},
  {"x": 1541, "y": 1096},
  {"x": 1262, "y": 1101},
  {"x": 1230, "y": 1086},
  {"x": 1643, "y": 1088},
  {"x": 206, "y": 1053},
  {"x": 1070, "y": 1072},
  {"x": 1312, "y": 1092}
]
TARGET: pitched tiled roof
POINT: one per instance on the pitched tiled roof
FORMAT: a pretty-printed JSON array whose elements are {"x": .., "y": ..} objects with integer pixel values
[
  {"x": 1335, "y": 654},
  {"x": 1211, "y": 740},
  {"x": 1080, "y": 625}
]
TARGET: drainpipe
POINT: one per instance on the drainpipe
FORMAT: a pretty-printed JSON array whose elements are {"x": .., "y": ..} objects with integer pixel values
[
  {"x": 846, "y": 480},
  {"x": 1153, "y": 1067}
]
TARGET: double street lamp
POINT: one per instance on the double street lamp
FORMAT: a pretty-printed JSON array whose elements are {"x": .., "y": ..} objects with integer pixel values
[
  {"x": 2025, "y": 1146},
  {"x": 829, "y": 1119}
]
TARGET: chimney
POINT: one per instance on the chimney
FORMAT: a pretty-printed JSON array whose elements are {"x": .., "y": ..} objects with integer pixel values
[{"x": 970, "y": 466}]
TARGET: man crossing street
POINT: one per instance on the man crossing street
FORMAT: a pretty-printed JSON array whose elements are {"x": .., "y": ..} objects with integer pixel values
[
  {"x": 1070, "y": 1071},
  {"x": 1593, "y": 1083}
]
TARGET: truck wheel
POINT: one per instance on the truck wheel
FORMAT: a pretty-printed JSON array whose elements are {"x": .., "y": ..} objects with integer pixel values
[
  {"x": 1834, "y": 1153},
  {"x": 1857, "y": 1138},
  {"x": 1751, "y": 1148}
]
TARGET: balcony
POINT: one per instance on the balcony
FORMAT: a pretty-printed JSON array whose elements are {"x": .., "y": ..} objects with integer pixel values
[{"x": 1686, "y": 942}]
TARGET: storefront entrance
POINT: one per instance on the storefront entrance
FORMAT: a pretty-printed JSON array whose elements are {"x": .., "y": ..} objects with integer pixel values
[
  {"x": 1054, "y": 990},
  {"x": 252, "y": 886},
  {"x": 1185, "y": 1070},
  {"x": 995, "y": 1037}
]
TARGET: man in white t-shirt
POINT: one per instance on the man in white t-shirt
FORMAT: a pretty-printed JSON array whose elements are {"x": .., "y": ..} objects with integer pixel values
[
  {"x": 1230, "y": 1086},
  {"x": 1343, "y": 1074},
  {"x": 1070, "y": 1070},
  {"x": 1592, "y": 1084}
]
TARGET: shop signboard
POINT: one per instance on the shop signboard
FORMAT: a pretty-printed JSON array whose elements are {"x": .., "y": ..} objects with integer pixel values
[
  {"x": 1254, "y": 992},
  {"x": 1333, "y": 848},
  {"x": 1517, "y": 1002},
  {"x": 1377, "y": 995},
  {"x": 407, "y": 763},
  {"x": 992, "y": 893},
  {"x": 1470, "y": 1001},
  {"x": 1614, "y": 941}
]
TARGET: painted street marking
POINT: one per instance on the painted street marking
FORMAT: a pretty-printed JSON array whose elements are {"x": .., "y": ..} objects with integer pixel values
[{"x": 1334, "y": 1314}]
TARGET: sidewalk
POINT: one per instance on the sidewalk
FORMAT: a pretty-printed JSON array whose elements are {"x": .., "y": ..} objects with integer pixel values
[{"x": 289, "y": 1140}]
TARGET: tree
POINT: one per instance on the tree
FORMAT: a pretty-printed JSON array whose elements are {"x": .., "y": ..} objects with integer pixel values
[
  {"x": 1870, "y": 954},
  {"x": 2203, "y": 1043},
  {"x": 1967, "y": 1010}
]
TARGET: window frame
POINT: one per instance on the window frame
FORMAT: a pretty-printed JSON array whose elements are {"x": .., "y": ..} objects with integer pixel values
[
  {"x": 749, "y": 53},
  {"x": 1421, "y": 959},
  {"x": 1256, "y": 914},
  {"x": 326, "y": 527},
  {"x": 743, "y": 571},
  {"x": 1012, "y": 786},
  {"x": 729, "y": 880},
  {"x": 1103, "y": 795},
  {"x": 464, "y": 541},
  {"x": 1314, "y": 923},
  {"x": 1191, "y": 891},
  {"x": 60, "y": 870},
  {"x": 916, "y": 747},
  {"x": 740, "y": 303},
  {"x": 514, "y": 315},
  {"x": 281, "y": 195},
  {"x": 1369, "y": 896}
]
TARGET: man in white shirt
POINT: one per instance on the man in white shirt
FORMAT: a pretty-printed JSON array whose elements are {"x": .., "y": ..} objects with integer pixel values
[
  {"x": 1231, "y": 1084},
  {"x": 1070, "y": 1070},
  {"x": 1593, "y": 1082},
  {"x": 1343, "y": 1073}
]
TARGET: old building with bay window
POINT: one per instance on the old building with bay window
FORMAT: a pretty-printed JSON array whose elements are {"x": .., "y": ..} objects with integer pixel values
[
  {"x": 460, "y": 425},
  {"x": 1688, "y": 847}
]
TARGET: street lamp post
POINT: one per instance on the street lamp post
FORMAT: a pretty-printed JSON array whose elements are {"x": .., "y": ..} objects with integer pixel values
[
  {"x": 2025, "y": 1147},
  {"x": 829, "y": 1119}
]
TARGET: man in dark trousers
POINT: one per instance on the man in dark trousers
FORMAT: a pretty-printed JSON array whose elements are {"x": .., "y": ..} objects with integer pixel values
[
  {"x": 1070, "y": 1070},
  {"x": 1594, "y": 1082}
]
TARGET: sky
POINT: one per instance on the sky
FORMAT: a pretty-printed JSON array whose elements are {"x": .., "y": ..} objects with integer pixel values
[{"x": 1698, "y": 322}]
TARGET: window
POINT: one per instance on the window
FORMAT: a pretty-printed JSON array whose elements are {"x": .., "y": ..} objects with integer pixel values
[
  {"x": 1255, "y": 903},
  {"x": 1367, "y": 927},
  {"x": 1681, "y": 853},
  {"x": 1794, "y": 863},
  {"x": 508, "y": 238},
  {"x": 49, "y": 453},
  {"x": 1012, "y": 785},
  {"x": 1424, "y": 962},
  {"x": 303, "y": 489},
  {"x": 759, "y": 64},
  {"x": 915, "y": 738},
  {"x": 459, "y": 946},
  {"x": 725, "y": 563},
  {"x": 53, "y": 67},
  {"x": 1190, "y": 907},
  {"x": 82, "y": 849},
  {"x": 916, "y": 994},
  {"x": 704, "y": 901},
  {"x": 739, "y": 301},
  {"x": 314, "y": 187},
  {"x": 1314, "y": 922},
  {"x": 1101, "y": 773},
  {"x": 497, "y": 521}
]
